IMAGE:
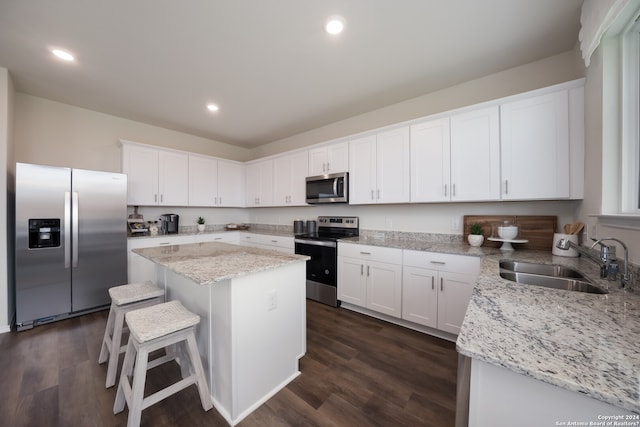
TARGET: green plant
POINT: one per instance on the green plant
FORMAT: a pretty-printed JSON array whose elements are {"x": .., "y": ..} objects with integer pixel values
[
  {"x": 200, "y": 220},
  {"x": 475, "y": 228}
]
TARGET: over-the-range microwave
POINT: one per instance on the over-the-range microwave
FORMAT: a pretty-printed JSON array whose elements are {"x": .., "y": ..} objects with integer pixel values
[{"x": 331, "y": 188}]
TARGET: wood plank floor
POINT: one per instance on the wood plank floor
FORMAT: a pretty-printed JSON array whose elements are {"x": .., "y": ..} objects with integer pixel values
[{"x": 358, "y": 371}]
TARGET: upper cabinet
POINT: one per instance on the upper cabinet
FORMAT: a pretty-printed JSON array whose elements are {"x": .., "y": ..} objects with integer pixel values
[
  {"x": 379, "y": 168},
  {"x": 215, "y": 183},
  {"x": 289, "y": 173},
  {"x": 328, "y": 159},
  {"x": 259, "y": 183},
  {"x": 456, "y": 158},
  {"x": 155, "y": 177},
  {"x": 535, "y": 147}
]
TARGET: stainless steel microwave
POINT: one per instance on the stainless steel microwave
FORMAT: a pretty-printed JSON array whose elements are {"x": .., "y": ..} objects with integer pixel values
[{"x": 331, "y": 188}]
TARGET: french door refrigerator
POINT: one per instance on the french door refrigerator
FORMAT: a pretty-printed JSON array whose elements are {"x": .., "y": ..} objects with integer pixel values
[{"x": 71, "y": 241}]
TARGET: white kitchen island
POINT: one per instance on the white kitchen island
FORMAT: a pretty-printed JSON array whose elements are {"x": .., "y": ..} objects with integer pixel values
[{"x": 253, "y": 316}]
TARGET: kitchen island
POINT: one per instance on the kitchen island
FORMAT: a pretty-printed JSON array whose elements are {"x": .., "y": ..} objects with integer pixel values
[
  {"x": 251, "y": 303},
  {"x": 546, "y": 357}
]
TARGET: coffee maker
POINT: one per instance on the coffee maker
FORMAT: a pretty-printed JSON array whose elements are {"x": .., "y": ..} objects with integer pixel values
[{"x": 169, "y": 223}]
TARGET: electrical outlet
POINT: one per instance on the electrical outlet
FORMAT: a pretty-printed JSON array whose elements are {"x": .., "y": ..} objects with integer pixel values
[
  {"x": 272, "y": 300},
  {"x": 455, "y": 224}
]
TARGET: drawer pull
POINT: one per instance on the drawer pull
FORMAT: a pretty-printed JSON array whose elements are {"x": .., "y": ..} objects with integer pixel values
[
  {"x": 438, "y": 262},
  {"x": 365, "y": 253},
  {"x": 164, "y": 243},
  {"x": 433, "y": 286}
]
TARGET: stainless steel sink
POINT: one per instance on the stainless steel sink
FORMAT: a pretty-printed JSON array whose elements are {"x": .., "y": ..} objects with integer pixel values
[
  {"x": 553, "y": 270},
  {"x": 547, "y": 275}
]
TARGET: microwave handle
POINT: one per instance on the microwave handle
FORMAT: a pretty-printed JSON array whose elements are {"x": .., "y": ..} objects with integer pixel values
[{"x": 335, "y": 186}]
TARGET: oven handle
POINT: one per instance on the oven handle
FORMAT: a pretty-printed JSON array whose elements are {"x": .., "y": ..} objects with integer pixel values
[{"x": 329, "y": 244}]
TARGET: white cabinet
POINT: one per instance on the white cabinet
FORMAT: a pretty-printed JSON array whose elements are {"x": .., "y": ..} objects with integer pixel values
[
  {"x": 379, "y": 168},
  {"x": 436, "y": 288},
  {"x": 371, "y": 277},
  {"x": 289, "y": 173},
  {"x": 456, "y": 158},
  {"x": 223, "y": 237},
  {"x": 535, "y": 147},
  {"x": 259, "y": 183},
  {"x": 332, "y": 158},
  {"x": 267, "y": 241},
  {"x": 214, "y": 182},
  {"x": 155, "y": 177}
]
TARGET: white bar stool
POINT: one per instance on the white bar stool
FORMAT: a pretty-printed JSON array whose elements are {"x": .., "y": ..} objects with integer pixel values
[
  {"x": 124, "y": 298},
  {"x": 171, "y": 326}
]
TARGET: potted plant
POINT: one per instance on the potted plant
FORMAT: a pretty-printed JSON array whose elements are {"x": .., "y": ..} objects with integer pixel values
[
  {"x": 200, "y": 222},
  {"x": 475, "y": 236}
]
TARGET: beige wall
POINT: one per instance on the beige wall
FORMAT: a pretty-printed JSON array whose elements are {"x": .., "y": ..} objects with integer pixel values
[
  {"x": 549, "y": 71},
  {"x": 56, "y": 134}
]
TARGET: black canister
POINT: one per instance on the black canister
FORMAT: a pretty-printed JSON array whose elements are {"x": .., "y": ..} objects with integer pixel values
[
  {"x": 298, "y": 226},
  {"x": 312, "y": 227}
]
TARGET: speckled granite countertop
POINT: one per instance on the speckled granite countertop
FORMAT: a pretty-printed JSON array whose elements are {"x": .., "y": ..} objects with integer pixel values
[
  {"x": 586, "y": 343},
  {"x": 208, "y": 263},
  {"x": 582, "y": 342}
]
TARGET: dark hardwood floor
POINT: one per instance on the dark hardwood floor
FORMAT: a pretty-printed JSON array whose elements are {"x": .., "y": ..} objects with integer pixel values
[{"x": 358, "y": 371}]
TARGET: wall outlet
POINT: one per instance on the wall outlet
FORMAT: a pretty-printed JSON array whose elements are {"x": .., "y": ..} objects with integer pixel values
[
  {"x": 455, "y": 224},
  {"x": 272, "y": 300}
]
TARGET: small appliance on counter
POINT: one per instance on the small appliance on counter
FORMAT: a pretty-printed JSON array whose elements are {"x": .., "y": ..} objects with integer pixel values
[{"x": 169, "y": 223}]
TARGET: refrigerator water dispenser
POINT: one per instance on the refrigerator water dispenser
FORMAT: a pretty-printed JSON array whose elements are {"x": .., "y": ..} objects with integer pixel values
[{"x": 44, "y": 233}]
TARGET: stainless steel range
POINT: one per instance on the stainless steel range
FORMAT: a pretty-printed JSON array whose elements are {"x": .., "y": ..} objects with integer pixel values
[{"x": 322, "y": 247}]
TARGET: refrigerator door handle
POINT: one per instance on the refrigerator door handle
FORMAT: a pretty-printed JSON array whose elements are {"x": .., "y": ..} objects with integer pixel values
[
  {"x": 67, "y": 234},
  {"x": 74, "y": 230}
]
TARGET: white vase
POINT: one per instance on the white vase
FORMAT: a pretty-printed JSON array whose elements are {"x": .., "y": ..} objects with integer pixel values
[
  {"x": 201, "y": 227},
  {"x": 475, "y": 239}
]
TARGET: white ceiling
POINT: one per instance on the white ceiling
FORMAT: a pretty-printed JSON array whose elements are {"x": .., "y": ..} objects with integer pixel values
[{"x": 268, "y": 64}]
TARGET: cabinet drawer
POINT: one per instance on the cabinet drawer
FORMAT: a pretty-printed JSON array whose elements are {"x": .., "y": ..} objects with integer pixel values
[
  {"x": 442, "y": 262},
  {"x": 152, "y": 242},
  {"x": 372, "y": 253}
]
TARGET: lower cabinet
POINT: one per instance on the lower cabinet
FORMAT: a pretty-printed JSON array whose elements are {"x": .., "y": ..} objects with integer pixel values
[
  {"x": 371, "y": 277},
  {"x": 141, "y": 269},
  {"x": 436, "y": 288},
  {"x": 266, "y": 241}
]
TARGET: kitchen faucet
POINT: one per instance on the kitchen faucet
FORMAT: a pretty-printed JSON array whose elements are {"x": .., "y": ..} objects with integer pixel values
[{"x": 607, "y": 260}]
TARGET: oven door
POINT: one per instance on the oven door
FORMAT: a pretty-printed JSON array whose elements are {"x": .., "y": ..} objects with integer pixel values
[{"x": 322, "y": 269}]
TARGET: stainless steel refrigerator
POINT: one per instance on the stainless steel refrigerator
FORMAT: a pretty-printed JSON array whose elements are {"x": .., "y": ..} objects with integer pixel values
[{"x": 71, "y": 241}]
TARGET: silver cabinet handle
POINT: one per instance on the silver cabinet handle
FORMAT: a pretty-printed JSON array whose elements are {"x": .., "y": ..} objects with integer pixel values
[
  {"x": 365, "y": 253},
  {"x": 328, "y": 168},
  {"x": 220, "y": 200},
  {"x": 162, "y": 198},
  {"x": 378, "y": 194},
  {"x": 164, "y": 243},
  {"x": 433, "y": 286},
  {"x": 155, "y": 198},
  {"x": 361, "y": 269},
  {"x": 441, "y": 284},
  {"x": 453, "y": 190},
  {"x": 368, "y": 270},
  {"x": 372, "y": 195},
  {"x": 217, "y": 238},
  {"x": 445, "y": 190},
  {"x": 506, "y": 186},
  {"x": 324, "y": 167},
  {"x": 438, "y": 262}
]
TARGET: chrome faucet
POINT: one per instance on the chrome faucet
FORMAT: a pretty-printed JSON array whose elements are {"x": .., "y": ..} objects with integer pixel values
[{"x": 607, "y": 260}]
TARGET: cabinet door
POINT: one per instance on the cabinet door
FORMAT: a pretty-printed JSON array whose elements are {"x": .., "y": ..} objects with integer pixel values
[
  {"x": 173, "y": 178},
  {"x": 338, "y": 157},
  {"x": 420, "y": 296},
  {"x": 140, "y": 164},
  {"x": 259, "y": 183},
  {"x": 362, "y": 170},
  {"x": 475, "y": 155},
  {"x": 351, "y": 281},
  {"x": 203, "y": 181},
  {"x": 384, "y": 287},
  {"x": 392, "y": 162},
  {"x": 299, "y": 172},
  {"x": 252, "y": 184},
  {"x": 318, "y": 161},
  {"x": 430, "y": 161},
  {"x": 230, "y": 184},
  {"x": 289, "y": 174},
  {"x": 535, "y": 147},
  {"x": 455, "y": 293}
]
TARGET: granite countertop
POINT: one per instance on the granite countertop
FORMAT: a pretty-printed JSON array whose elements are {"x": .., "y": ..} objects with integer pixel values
[
  {"x": 194, "y": 232},
  {"x": 586, "y": 343},
  {"x": 208, "y": 263}
]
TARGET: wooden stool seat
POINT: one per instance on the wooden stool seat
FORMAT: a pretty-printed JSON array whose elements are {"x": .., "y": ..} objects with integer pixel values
[
  {"x": 124, "y": 298},
  {"x": 169, "y": 326}
]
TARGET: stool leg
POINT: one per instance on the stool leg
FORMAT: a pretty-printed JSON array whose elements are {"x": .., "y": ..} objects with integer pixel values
[
  {"x": 114, "y": 351},
  {"x": 106, "y": 340},
  {"x": 183, "y": 360},
  {"x": 201, "y": 381},
  {"x": 127, "y": 366},
  {"x": 137, "y": 388}
]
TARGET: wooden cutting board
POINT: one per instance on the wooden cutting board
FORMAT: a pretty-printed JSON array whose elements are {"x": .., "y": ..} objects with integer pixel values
[{"x": 537, "y": 229}]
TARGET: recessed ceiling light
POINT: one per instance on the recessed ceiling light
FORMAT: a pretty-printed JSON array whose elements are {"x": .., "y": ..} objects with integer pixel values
[
  {"x": 63, "y": 54},
  {"x": 212, "y": 107},
  {"x": 335, "y": 25}
]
